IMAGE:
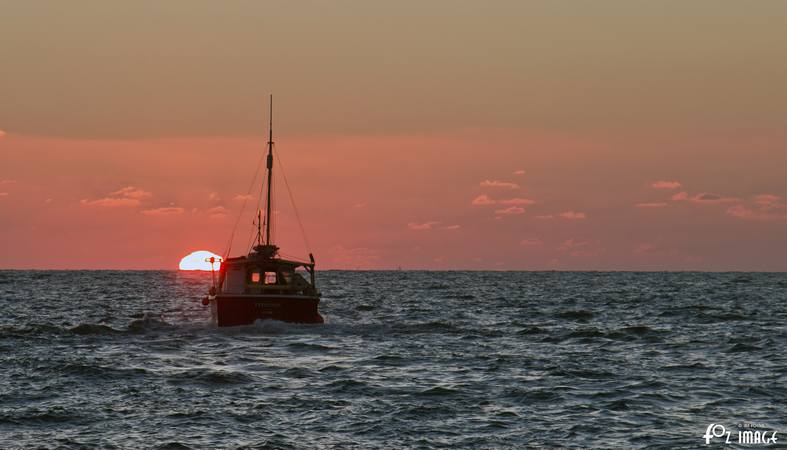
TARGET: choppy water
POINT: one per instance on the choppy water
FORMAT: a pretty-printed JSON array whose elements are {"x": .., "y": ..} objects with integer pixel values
[{"x": 408, "y": 359}]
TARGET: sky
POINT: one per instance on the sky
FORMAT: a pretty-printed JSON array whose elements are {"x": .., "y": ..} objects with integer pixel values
[{"x": 505, "y": 135}]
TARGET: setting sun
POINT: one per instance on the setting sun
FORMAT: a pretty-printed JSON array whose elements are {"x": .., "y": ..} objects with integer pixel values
[{"x": 199, "y": 261}]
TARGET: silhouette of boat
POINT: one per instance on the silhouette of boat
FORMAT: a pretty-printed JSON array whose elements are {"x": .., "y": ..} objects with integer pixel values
[{"x": 261, "y": 284}]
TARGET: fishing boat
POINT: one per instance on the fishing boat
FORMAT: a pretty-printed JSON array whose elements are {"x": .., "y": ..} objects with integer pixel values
[{"x": 261, "y": 284}]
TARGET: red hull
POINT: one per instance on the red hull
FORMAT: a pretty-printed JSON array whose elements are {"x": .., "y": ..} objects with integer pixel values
[{"x": 233, "y": 310}]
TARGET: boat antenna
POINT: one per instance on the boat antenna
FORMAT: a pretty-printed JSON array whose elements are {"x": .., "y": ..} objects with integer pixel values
[{"x": 270, "y": 177}]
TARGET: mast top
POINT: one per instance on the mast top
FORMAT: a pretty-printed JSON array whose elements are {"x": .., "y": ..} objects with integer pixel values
[{"x": 268, "y": 249}]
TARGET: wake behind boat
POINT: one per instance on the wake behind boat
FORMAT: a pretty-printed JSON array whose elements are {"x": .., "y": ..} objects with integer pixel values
[{"x": 261, "y": 284}]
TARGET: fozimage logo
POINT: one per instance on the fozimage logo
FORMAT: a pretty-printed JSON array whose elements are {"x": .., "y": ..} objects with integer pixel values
[{"x": 747, "y": 434}]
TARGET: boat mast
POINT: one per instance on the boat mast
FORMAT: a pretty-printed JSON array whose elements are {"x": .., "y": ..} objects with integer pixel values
[{"x": 270, "y": 177}]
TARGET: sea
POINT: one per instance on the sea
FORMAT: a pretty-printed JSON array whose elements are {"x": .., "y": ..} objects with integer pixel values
[{"x": 407, "y": 359}]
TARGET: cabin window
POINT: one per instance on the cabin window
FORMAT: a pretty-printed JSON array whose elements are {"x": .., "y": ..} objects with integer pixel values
[
  {"x": 235, "y": 281},
  {"x": 255, "y": 277},
  {"x": 270, "y": 277}
]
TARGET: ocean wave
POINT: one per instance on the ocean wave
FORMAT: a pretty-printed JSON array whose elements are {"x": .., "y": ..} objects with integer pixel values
[
  {"x": 210, "y": 377},
  {"x": 32, "y": 330},
  {"x": 579, "y": 315},
  {"x": 90, "y": 328},
  {"x": 148, "y": 322}
]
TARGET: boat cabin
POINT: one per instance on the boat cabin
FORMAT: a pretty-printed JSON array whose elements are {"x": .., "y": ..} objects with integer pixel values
[{"x": 262, "y": 273}]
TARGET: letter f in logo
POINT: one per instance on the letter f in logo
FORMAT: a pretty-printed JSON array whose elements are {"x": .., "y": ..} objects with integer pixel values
[{"x": 709, "y": 433}]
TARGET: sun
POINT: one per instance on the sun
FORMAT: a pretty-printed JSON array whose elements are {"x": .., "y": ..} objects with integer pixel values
[{"x": 199, "y": 261}]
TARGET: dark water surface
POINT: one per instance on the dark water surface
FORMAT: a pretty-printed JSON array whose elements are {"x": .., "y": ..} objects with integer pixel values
[{"x": 408, "y": 359}]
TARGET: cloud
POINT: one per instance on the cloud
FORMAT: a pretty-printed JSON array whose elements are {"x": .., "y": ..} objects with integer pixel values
[
  {"x": 767, "y": 199},
  {"x": 766, "y": 207},
  {"x": 574, "y": 247},
  {"x": 486, "y": 200},
  {"x": 708, "y": 198},
  {"x": 569, "y": 244},
  {"x": 545, "y": 217},
  {"x": 651, "y": 205},
  {"x": 2, "y": 134},
  {"x": 661, "y": 184},
  {"x": 165, "y": 211},
  {"x": 130, "y": 192},
  {"x": 516, "y": 201},
  {"x": 421, "y": 226},
  {"x": 49, "y": 200},
  {"x": 218, "y": 212},
  {"x": 242, "y": 197},
  {"x": 511, "y": 210},
  {"x": 499, "y": 184},
  {"x": 452, "y": 227},
  {"x": 110, "y": 202},
  {"x": 128, "y": 196},
  {"x": 482, "y": 200},
  {"x": 530, "y": 242},
  {"x": 519, "y": 172},
  {"x": 7, "y": 181},
  {"x": 3, "y": 194},
  {"x": 742, "y": 212},
  {"x": 703, "y": 198},
  {"x": 573, "y": 215},
  {"x": 360, "y": 205},
  {"x": 214, "y": 197}
]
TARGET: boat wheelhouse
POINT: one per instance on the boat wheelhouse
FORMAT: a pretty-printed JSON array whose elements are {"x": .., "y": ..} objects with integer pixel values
[{"x": 262, "y": 285}]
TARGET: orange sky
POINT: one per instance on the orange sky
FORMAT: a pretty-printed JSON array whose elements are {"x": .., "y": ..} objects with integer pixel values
[{"x": 452, "y": 135}]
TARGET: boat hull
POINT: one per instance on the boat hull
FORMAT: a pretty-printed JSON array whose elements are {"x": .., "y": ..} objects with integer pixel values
[{"x": 234, "y": 310}]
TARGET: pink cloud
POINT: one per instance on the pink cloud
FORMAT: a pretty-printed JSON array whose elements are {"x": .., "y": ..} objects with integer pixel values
[
  {"x": 3, "y": 194},
  {"x": 571, "y": 243},
  {"x": 7, "y": 181},
  {"x": 511, "y": 210},
  {"x": 766, "y": 207},
  {"x": 499, "y": 184},
  {"x": 218, "y": 212},
  {"x": 452, "y": 227},
  {"x": 576, "y": 247},
  {"x": 421, "y": 226},
  {"x": 573, "y": 215},
  {"x": 165, "y": 211},
  {"x": 651, "y": 205},
  {"x": 360, "y": 205},
  {"x": 530, "y": 242},
  {"x": 214, "y": 197},
  {"x": 766, "y": 199},
  {"x": 243, "y": 197},
  {"x": 742, "y": 212},
  {"x": 708, "y": 198},
  {"x": 516, "y": 201},
  {"x": 519, "y": 172},
  {"x": 130, "y": 192},
  {"x": 109, "y": 202},
  {"x": 661, "y": 184},
  {"x": 123, "y": 197},
  {"x": 2, "y": 134},
  {"x": 482, "y": 200},
  {"x": 545, "y": 217}
]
